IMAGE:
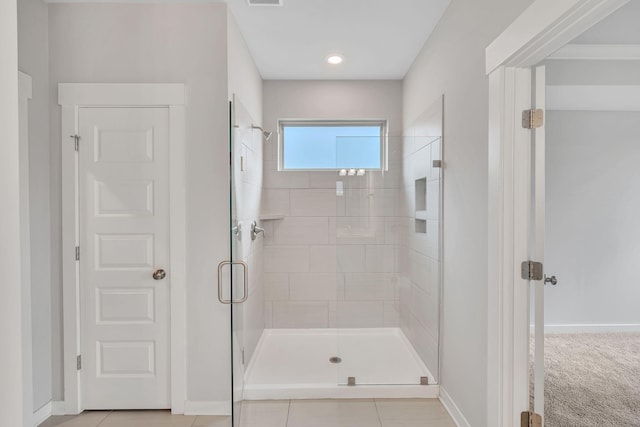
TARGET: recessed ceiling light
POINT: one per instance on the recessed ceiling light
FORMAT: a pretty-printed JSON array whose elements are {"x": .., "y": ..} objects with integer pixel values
[{"x": 335, "y": 59}]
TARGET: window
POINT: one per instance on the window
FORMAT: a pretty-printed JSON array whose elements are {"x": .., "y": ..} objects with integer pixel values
[{"x": 331, "y": 145}]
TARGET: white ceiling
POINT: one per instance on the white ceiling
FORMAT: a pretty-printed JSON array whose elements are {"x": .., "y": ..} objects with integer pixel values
[{"x": 379, "y": 39}]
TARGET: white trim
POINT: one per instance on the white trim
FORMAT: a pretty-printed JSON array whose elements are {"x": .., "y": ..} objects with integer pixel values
[
  {"x": 593, "y": 98},
  {"x": 72, "y": 97},
  {"x": 220, "y": 408},
  {"x": 452, "y": 409},
  {"x": 591, "y": 328},
  {"x": 324, "y": 391},
  {"x": 543, "y": 28},
  {"x": 11, "y": 409},
  {"x": 57, "y": 407},
  {"x": 42, "y": 414},
  {"x": 25, "y": 93},
  {"x": 598, "y": 52}
]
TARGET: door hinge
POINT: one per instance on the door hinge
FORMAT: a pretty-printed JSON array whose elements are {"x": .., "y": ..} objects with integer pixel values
[
  {"x": 532, "y": 119},
  {"x": 79, "y": 362},
  {"x": 77, "y": 253},
  {"x": 242, "y": 356},
  {"x": 76, "y": 141},
  {"x": 530, "y": 419},
  {"x": 532, "y": 270}
]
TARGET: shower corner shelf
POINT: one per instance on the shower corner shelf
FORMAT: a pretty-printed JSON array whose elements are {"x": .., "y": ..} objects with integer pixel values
[
  {"x": 421, "y": 215},
  {"x": 271, "y": 217}
]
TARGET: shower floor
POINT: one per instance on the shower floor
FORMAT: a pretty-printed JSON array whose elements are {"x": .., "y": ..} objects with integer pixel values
[{"x": 294, "y": 364}]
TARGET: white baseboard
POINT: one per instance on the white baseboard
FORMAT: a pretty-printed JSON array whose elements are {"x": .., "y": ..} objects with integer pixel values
[
  {"x": 453, "y": 409},
  {"x": 58, "y": 408},
  {"x": 590, "y": 328},
  {"x": 207, "y": 408},
  {"x": 42, "y": 414}
]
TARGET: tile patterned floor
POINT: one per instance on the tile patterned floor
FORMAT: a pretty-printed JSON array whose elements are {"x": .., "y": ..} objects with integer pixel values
[{"x": 281, "y": 413}]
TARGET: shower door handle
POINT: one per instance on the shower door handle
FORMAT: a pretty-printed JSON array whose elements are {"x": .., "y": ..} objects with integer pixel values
[{"x": 245, "y": 269}]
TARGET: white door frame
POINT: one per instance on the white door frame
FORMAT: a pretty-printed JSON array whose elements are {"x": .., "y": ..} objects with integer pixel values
[
  {"x": 25, "y": 94},
  {"x": 543, "y": 28},
  {"x": 72, "y": 97}
]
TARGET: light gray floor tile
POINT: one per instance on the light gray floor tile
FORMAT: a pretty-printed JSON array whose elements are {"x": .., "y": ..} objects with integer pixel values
[
  {"x": 146, "y": 419},
  {"x": 333, "y": 413},
  {"x": 212, "y": 421},
  {"x": 267, "y": 413},
  {"x": 413, "y": 413},
  {"x": 86, "y": 419}
]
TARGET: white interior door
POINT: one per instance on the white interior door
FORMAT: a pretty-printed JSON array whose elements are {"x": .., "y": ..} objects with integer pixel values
[
  {"x": 123, "y": 204},
  {"x": 538, "y": 231}
]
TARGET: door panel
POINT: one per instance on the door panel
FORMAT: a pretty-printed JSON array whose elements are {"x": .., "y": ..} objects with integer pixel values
[{"x": 124, "y": 226}]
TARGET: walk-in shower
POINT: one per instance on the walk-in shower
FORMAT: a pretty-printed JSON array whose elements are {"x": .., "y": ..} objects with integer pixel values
[{"x": 345, "y": 287}]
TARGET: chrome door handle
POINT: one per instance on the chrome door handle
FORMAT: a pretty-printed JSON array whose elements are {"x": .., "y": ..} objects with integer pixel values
[
  {"x": 159, "y": 274},
  {"x": 553, "y": 280},
  {"x": 255, "y": 230},
  {"x": 245, "y": 269}
]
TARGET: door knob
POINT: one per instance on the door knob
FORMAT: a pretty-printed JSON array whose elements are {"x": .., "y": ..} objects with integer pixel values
[
  {"x": 159, "y": 274},
  {"x": 553, "y": 280}
]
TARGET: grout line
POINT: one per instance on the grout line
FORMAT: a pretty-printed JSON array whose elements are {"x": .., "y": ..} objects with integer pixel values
[
  {"x": 375, "y": 403},
  {"x": 286, "y": 423},
  {"x": 102, "y": 420}
]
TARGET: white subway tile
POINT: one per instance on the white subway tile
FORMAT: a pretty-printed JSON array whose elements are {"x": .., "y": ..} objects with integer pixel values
[
  {"x": 276, "y": 286},
  {"x": 300, "y": 315},
  {"x": 275, "y": 201},
  {"x": 323, "y": 259},
  {"x": 359, "y": 314},
  {"x": 391, "y": 314},
  {"x": 285, "y": 259},
  {"x": 311, "y": 202},
  {"x": 316, "y": 286},
  {"x": 324, "y": 179},
  {"x": 351, "y": 258},
  {"x": 371, "y": 203},
  {"x": 369, "y": 287},
  {"x": 283, "y": 179},
  {"x": 381, "y": 258},
  {"x": 268, "y": 315},
  {"x": 420, "y": 271},
  {"x": 357, "y": 230},
  {"x": 301, "y": 231}
]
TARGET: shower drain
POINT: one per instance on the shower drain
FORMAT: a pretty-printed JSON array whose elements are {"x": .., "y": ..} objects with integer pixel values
[{"x": 335, "y": 359}]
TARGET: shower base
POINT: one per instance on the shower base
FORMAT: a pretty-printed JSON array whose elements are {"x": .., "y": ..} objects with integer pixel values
[{"x": 295, "y": 364}]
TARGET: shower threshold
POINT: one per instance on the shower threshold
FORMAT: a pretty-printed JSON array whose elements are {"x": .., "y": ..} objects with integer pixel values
[{"x": 296, "y": 364}]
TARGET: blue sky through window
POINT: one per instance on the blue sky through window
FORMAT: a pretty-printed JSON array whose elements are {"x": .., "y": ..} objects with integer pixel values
[{"x": 332, "y": 147}]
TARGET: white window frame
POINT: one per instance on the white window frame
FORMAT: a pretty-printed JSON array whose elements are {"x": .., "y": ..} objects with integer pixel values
[{"x": 384, "y": 139}]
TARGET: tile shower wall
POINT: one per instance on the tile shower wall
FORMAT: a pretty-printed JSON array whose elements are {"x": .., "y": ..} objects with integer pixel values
[
  {"x": 330, "y": 261},
  {"x": 419, "y": 241},
  {"x": 248, "y": 149}
]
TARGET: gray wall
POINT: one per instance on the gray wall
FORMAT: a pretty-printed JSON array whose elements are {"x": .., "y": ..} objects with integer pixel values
[
  {"x": 164, "y": 43},
  {"x": 33, "y": 59},
  {"x": 452, "y": 63},
  {"x": 592, "y": 235}
]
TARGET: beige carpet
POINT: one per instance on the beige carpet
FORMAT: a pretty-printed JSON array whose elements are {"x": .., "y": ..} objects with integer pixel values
[{"x": 592, "y": 380}]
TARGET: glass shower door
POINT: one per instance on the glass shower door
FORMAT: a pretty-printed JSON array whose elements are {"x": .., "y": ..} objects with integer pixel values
[
  {"x": 238, "y": 274},
  {"x": 388, "y": 246}
]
